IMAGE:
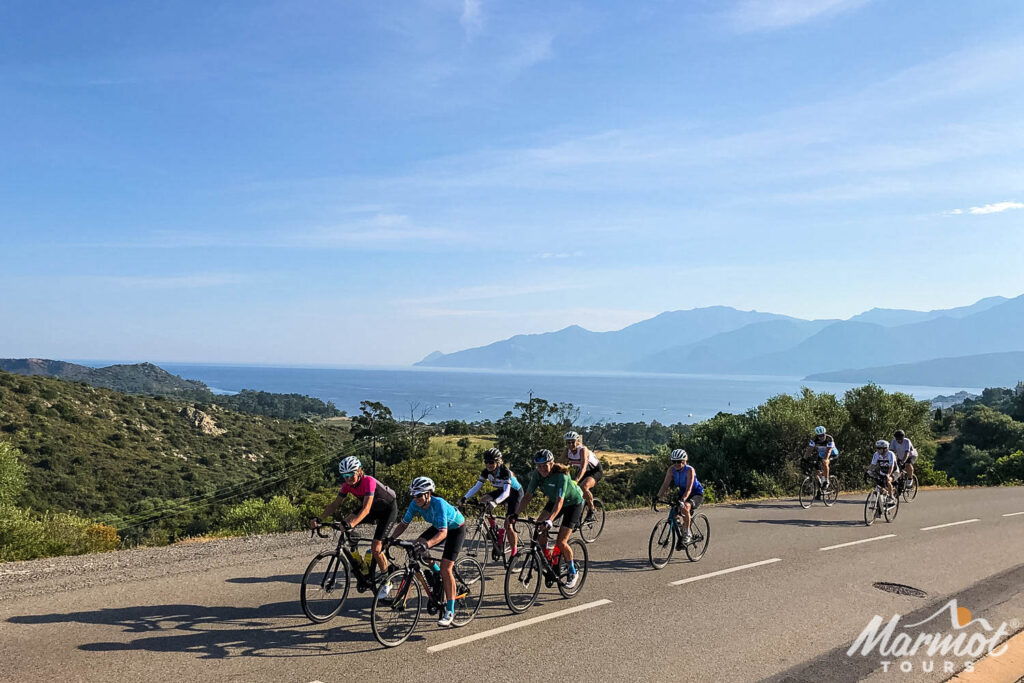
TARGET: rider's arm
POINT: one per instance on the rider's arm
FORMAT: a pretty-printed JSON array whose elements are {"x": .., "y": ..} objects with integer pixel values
[
  {"x": 556, "y": 508},
  {"x": 332, "y": 507},
  {"x": 399, "y": 530},
  {"x": 361, "y": 515},
  {"x": 690, "y": 476},
  {"x": 441, "y": 534},
  {"x": 665, "y": 484},
  {"x": 523, "y": 502},
  {"x": 476, "y": 488},
  {"x": 504, "y": 493}
]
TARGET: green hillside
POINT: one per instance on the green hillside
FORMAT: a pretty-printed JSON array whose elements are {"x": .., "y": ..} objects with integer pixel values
[{"x": 96, "y": 452}]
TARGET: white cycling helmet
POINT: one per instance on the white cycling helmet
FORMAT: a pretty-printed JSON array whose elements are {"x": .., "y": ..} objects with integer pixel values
[
  {"x": 881, "y": 443},
  {"x": 349, "y": 465},
  {"x": 421, "y": 485},
  {"x": 542, "y": 456},
  {"x": 572, "y": 436},
  {"x": 819, "y": 430},
  {"x": 679, "y": 455}
]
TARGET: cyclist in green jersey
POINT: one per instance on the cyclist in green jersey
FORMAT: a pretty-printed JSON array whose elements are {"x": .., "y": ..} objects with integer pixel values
[{"x": 565, "y": 500}]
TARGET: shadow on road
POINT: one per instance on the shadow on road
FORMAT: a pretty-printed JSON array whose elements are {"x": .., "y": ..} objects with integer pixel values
[
  {"x": 632, "y": 564},
  {"x": 278, "y": 629},
  {"x": 805, "y": 522},
  {"x": 282, "y": 578}
]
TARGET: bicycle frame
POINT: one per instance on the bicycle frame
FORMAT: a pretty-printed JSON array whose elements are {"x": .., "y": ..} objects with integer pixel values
[
  {"x": 537, "y": 550},
  {"x": 347, "y": 547},
  {"x": 414, "y": 570}
]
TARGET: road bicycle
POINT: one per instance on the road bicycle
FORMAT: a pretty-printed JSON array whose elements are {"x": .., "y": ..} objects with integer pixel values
[
  {"x": 536, "y": 562},
  {"x": 811, "y": 488},
  {"x": 328, "y": 578},
  {"x": 394, "y": 616},
  {"x": 590, "y": 525},
  {"x": 486, "y": 538},
  {"x": 667, "y": 535},
  {"x": 906, "y": 487},
  {"x": 879, "y": 503}
]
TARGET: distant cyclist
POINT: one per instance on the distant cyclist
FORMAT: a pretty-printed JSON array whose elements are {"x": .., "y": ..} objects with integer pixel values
[
  {"x": 906, "y": 454},
  {"x": 565, "y": 500},
  {"x": 883, "y": 464},
  {"x": 691, "y": 492},
  {"x": 588, "y": 468},
  {"x": 507, "y": 491},
  {"x": 825, "y": 447},
  {"x": 379, "y": 506},
  {"x": 446, "y": 524}
]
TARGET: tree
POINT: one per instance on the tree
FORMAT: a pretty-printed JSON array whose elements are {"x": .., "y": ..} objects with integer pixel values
[
  {"x": 531, "y": 426},
  {"x": 374, "y": 426},
  {"x": 12, "y": 474}
]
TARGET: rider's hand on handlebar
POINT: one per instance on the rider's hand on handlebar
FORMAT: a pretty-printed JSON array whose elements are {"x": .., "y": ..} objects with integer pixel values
[
  {"x": 548, "y": 524},
  {"x": 490, "y": 505}
]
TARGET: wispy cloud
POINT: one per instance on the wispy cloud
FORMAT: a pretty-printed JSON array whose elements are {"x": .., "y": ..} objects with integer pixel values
[
  {"x": 472, "y": 19},
  {"x": 186, "y": 281},
  {"x": 770, "y": 15},
  {"x": 997, "y": 207}
]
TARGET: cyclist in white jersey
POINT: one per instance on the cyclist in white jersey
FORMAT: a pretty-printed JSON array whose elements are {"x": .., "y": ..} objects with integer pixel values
[
  {"x": 906, "y": 454},
  {"x": 883, "y": 463},
  {"x": 588, "y": 470}
]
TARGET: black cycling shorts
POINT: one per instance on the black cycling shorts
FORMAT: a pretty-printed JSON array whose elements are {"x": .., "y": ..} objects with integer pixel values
[
  {"x": 569, "y": 514},
  {"x": 452, "y": 543},
  {"x": 695, "y": 501},
  {"x": 511, "y": 503},
  {"x": 595, "y": 471},
  {"x": 383, "y": 515}
]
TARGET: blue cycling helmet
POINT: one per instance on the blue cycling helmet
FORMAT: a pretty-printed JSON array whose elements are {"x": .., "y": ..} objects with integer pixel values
[
  {"x": 542, "y": 456},
  {"x": 819, "y": 430}
]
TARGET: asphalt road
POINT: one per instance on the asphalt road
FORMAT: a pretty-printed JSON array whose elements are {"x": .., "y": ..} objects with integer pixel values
[{"x": 790, "y": 616}]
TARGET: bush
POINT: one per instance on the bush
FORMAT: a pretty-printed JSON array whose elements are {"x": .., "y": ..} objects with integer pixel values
[
  {"x": 26, "y": 536},
  {"x": 254, "y": 516},
  {"x": 12, "y": 474}
]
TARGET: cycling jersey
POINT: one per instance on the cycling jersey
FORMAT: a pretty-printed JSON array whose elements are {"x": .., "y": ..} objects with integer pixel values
[
  {"x": 577, "y": 455},
  {"x": 501, "y": 478},
  {"x": 679, "y": 479},
  {"x": 440, "y": 514},
  {"x": 368, "y": 486},
  {"x": 556, "y": 486},
  {"x": 903, "y": 450},
  {"x": 885, "y": 462},
  {"x": 825, "y": 444}
]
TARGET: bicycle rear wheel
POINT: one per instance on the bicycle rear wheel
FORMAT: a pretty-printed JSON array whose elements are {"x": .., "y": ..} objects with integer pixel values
[
  {"x": 469, "y": 590},
  {"x": 394, "y": 617},
  {"x": 324, "y": 586},
  {"x": 581, "y": 559},
  {"x": 871, "y": 507},
  {"x": 522, "y": 581},
  {"x": 807, "y": 489},
  {"x": 700, "y": 527},
  {"x": 590, "y": 531},
  {"x": 892, "y": 509},
  {"x": 661, "y": 545},
  {"x": 829, "y": 497},
  {"x": 910, "y": 489}
]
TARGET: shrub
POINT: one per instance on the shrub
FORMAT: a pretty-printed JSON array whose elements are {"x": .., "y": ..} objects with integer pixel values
[{"x": 254, "y": 516}]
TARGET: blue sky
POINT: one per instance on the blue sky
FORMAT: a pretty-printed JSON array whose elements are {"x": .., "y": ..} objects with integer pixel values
[{"x": 362, "y": 183}]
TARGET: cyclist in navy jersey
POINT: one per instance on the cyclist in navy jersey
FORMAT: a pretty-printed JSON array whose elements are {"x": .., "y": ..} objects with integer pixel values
[
  {"x": 691, "y": 492},
  {"x": 507, "y": 491}
]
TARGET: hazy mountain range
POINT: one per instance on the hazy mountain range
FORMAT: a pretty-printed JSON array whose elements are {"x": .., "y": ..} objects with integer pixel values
[{"x": 724, "y": 340}]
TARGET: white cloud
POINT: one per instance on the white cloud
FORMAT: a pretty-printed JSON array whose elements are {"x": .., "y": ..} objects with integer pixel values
[
  {"x": 997, "y": 207},
  {"x": 769, "y": 15},
  {"x": 472, "y": 19}
]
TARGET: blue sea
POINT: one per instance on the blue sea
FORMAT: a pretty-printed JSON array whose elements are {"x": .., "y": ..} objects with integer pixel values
[{"x": 476, "y": 395}]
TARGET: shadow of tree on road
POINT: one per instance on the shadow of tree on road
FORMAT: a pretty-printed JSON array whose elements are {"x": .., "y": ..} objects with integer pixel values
[
  {"x": 282, "y": 578},
  {"x": 805, "y": 522},
  {"x": 277, "y": 629}
]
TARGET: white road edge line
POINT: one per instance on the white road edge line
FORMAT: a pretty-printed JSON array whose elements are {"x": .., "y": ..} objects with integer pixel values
[
  {"x": 724, "y": 571},
  {"x": 943, "y": 526},
  {"x": 863, "y": 540},
  {"x": 1013, "y": 514},
  {"x": 518, "y": 624}
]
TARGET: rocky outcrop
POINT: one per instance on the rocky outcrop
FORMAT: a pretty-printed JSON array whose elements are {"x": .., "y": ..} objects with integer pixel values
[{"x": 201, "y": 421}]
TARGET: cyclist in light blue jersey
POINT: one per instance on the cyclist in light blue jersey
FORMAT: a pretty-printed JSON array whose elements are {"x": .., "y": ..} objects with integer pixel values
[{"x": 446, "y": 524}]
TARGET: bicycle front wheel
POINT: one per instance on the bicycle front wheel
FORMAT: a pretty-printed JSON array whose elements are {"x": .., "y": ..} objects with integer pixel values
[
  {"x": 477, "y": 545},
  {"x": 807, "y": 489},
  {"x": 394, "y": 616},
  {"x": 700, "y": 527},
  {"x": 324, "y": 586},
  {"x": 661, "y": 545},
  {"x": 871, "y": 508},
  {"x": 469, "y": 590},
  {"x": 580, "y": 558},
  {"x": 829, "y": 497},
  {"x": 910, "y": 489},
  {"x": 590, "y": 530},
  {"x": 522, "y": 581}
]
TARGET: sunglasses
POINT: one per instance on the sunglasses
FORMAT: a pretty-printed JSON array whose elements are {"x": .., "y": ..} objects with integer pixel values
[
  {"x": 420, "y": 496},
  {"x": 348, "y": 475}
]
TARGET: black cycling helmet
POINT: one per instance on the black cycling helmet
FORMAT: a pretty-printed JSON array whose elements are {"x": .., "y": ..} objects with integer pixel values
[
  {"x": 899, "y": 434},
  {"x": 492, "y": 455},
  {"x": 542, "y": 456}
]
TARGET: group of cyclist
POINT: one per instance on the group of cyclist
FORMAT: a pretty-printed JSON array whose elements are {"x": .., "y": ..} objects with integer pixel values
[
  {"x": 890, "y": 460},
  {"x": 567, "y": 488}
]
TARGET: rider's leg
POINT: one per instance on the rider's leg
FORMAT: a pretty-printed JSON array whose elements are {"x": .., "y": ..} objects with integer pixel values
[
  {"x": 448, "y": 579},
  {"x": 585, "y": 485},
  {"x": 686, "y": 518},
  {"x": 377, "y": 548}
]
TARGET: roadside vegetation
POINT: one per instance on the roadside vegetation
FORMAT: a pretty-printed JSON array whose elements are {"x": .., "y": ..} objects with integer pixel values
[{"x": 84, "y": 469}]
